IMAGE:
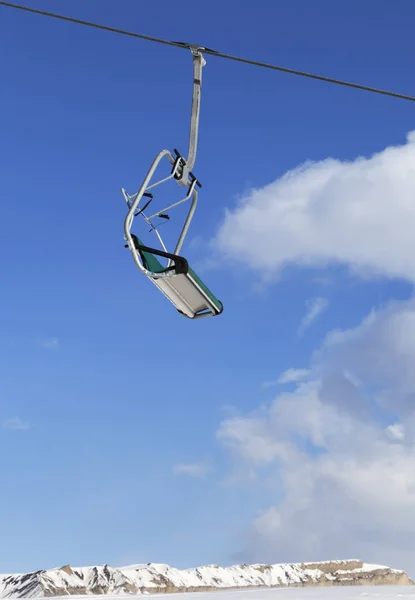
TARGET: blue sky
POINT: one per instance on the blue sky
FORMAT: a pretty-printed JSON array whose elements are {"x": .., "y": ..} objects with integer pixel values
[{"x": 108, "y": 387}]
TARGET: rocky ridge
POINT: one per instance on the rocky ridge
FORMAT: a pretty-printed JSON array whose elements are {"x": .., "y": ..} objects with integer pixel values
[{"x": 159, "y": 578}]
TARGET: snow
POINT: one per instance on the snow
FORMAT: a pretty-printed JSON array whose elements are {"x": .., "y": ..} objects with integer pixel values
[
  {"x": 320, "y": 593},
  {"x": 160, "y": 578}
]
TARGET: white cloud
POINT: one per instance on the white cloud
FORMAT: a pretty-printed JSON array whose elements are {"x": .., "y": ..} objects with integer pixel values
[
  {"x": 396, "y": 432},
  {"x": 192, "y": 469},
  {"x": 16, "y": 424},
  {"x": 359, "y": 213},
  {"x": 250, "y": 440},
  {"x": 50, "y": 343},
  {"x": 314, "y": 308},
  {"x": 338, "y": 451},
  {"x": 380, "y": 351},
  {"x": 288, "y": 376}
]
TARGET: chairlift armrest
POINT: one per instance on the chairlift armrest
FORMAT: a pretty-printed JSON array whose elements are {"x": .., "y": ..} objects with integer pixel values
[{"x": 181, "y": 266}]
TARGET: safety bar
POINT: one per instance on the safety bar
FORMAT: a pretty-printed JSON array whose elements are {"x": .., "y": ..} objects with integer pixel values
[
  {"x": 181, "y": 266},
  {"x": 167, "y": 208}
]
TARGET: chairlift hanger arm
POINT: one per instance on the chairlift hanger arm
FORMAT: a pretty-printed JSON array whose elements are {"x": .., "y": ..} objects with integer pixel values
[
  {"x": 183, "y": 165},
  {"x": 198, "y": 64}
]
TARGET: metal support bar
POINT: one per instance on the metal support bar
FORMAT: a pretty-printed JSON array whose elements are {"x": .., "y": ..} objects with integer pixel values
[
  {"x": 164, "y": 210},
  {"x": 187, "y": 222}
]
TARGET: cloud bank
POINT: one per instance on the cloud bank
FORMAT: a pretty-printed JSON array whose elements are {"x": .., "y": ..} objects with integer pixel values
[
  {"x": 338, "y": 452},
  {"x": 359, "y": 213}
]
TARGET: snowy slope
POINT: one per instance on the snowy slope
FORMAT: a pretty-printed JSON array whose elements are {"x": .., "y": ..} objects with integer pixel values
[{"x": 156, "y": 578}]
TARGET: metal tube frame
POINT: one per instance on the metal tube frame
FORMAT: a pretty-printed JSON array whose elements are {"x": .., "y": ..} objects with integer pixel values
[{"x": 192, "y": 194}]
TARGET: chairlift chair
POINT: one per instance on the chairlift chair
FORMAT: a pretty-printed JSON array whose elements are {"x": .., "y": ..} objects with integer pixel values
[{"x": 176, "y": 280}]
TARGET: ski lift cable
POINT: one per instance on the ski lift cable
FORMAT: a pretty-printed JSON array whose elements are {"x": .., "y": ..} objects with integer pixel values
[{"x": 211, "y": 52}]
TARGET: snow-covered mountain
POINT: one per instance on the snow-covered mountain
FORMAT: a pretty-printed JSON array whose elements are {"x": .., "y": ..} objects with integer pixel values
[{"x": 156, "y": 578}]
